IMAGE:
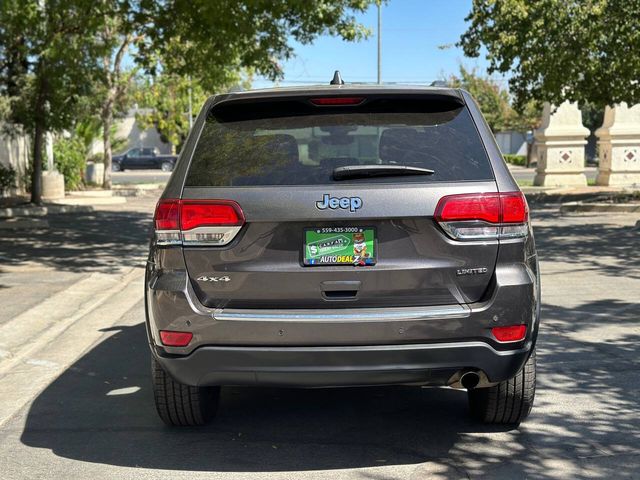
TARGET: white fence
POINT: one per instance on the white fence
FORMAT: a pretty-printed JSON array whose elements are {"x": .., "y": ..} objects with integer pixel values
[{"x": 14, "y": 153}]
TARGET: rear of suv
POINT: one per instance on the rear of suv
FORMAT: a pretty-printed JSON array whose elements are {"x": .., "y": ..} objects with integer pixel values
[{"x": 341, "y": 236}]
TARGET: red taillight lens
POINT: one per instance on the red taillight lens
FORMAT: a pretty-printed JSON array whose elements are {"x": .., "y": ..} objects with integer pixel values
[
  {"x": 328, "y": 101},
  {"x": 206, "y": 214},
  {"x": 197, "y": 222},
  {"x": 512, "y": 333},
  {"x": 175, "y": 339},
  {"x": 514, "y": 208},
  {"x": 489, "y": 207},
  {"x": 483, "y": 216},
  {"x": 167, "y": 216},
  {"x": 476, "y": 206}
]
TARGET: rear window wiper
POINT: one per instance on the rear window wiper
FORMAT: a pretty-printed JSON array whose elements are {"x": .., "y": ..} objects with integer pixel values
[{"x": 365, "y": 171}]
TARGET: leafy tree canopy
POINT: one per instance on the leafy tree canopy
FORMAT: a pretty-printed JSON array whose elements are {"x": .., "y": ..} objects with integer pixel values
[
  {"x": 495, "y": 102},
  {"x": 54, "y": 53},
  {"x": 554, "y": 50},
  {"x": 47, "y": 59},
  {"x": 165, "y": 100},
  {"x": 48, "y": 52},
  {"x": 212, "y": 41}
]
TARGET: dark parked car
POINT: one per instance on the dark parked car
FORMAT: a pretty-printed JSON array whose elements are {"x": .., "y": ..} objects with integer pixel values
[
  {"x": 138, "y": 158},
  {"x": 337, "y": 236}
]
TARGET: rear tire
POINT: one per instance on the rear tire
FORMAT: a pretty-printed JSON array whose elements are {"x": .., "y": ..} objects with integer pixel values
[
  {"x": 179, "y": 404},
  {"x": 166, "y": 166},
  {"x": 509, "y": 402}
]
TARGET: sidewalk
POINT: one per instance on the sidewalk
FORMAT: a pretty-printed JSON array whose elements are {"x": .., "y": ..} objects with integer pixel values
[{"x": 82, "y": 201}]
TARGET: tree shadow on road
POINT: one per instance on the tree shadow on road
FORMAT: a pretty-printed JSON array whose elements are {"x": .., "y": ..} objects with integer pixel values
[
  {"x": 101, "y": 410},
  {"x": 103, "y": 241},
  {"x": 595, "y": 244}
]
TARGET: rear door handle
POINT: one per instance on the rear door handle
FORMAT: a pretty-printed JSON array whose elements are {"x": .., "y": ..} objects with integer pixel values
[{"x": 340, "y": 290}]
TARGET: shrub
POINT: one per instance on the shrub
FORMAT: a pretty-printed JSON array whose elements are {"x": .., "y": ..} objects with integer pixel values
[
  {"x": 515, "y": 159},
  {"x": 7, "y": 178},
  {"x": 68, "y": 155},
  {"x": 96, "y": 158}
]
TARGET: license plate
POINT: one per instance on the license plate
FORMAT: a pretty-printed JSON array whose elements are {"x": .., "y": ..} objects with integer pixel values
[{"x": 340, "y": 246}]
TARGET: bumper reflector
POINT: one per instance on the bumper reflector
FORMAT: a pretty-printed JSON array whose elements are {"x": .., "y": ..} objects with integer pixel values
[
  {"x": 175, "y": 339},
  {"x": 512, "y": 333}
]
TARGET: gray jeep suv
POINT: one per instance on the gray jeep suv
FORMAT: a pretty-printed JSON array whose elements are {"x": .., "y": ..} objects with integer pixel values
[{"x": 342, "y": 235}]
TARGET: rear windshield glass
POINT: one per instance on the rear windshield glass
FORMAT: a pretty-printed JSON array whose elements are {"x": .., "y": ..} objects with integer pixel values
[{"x": 296, "y": 143}]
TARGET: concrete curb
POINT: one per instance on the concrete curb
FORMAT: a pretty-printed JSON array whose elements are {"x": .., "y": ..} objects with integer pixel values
[
  {"x": 41, "y": 211},
  {"x": 102, "y": 200},
  {"x": 600, "y": 207},
  {"x": 136, "y": 189}
]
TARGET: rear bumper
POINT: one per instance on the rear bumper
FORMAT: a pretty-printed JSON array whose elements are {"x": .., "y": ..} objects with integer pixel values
[
  {"x": 430, "y": 364},
  {"x": 342, "y": 346}
]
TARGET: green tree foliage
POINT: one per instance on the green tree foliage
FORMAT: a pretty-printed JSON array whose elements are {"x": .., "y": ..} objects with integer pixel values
[
  {"x": 166, "y": 99},
  {"x": 210, "y": 42},
  {"x": 70, "y": 160},
  {"x": 7, "y": 178},
  {"x": 54, "y": 53},
  {"x": 47, "y": 64},
  {"x": 495, "y": 102},
  {"x": 89, "y": 130},
  {"x": 585, "y": 51}
]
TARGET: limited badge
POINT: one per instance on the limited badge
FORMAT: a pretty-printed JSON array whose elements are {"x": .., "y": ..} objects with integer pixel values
[{"x": 471, "y": 271}]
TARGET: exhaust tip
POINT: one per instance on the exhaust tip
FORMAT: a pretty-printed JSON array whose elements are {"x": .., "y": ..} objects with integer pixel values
[{"x": 470, "y": 380}]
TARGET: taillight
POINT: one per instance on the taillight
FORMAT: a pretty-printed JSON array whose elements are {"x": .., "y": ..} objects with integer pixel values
[
  {"x": 483, "y": 216},
  {"x": 512, "y": 333},
  {"x": 167, "y": 215},
  {"x": 197, "y": 222},
  {"x": 175, "y": 339},
  {"x": 167, "y": 222}
]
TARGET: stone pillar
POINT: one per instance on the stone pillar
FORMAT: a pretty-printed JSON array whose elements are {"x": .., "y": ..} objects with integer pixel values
[
  {"x": 94, "y": 173},
  {"x": 559, "y": 144},
  {"x": 619, "y": 146},
  {"x": 52, "y": 185}
]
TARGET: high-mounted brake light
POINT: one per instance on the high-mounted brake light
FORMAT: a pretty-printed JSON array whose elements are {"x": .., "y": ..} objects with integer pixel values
[
  {"x": 512, "y": 333},
  {"x": 175, "y": 339},
  {"x": 483, "y": 216},
  {"x": 197, "y": 222},
  {"x": 336, "y": 101}
]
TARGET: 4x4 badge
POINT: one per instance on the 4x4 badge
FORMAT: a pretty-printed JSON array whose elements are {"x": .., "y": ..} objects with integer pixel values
[
  {"x": 204, "y": 278},
  {"x": 352, "y": 203}
]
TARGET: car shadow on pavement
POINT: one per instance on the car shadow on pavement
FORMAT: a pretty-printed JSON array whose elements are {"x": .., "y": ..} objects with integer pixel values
[{"x": 101, "y": 411}]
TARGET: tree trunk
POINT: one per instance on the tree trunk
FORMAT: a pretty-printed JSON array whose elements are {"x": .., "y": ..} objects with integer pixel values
[
  {"x": 529, "y": 154},
  {"x": 107, "y": 121},
  {"x": 36, "y": 176}
]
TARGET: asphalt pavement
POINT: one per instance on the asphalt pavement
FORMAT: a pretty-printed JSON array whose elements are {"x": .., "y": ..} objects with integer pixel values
[{"x": 78, "y": 399}]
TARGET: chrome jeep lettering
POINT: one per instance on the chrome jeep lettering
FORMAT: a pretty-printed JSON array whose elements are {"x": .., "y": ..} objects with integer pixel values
[{"x": 351, "y": 203}]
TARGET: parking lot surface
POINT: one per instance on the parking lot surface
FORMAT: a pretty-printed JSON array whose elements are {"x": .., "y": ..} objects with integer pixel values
[{"x": 94, "y": 415}]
